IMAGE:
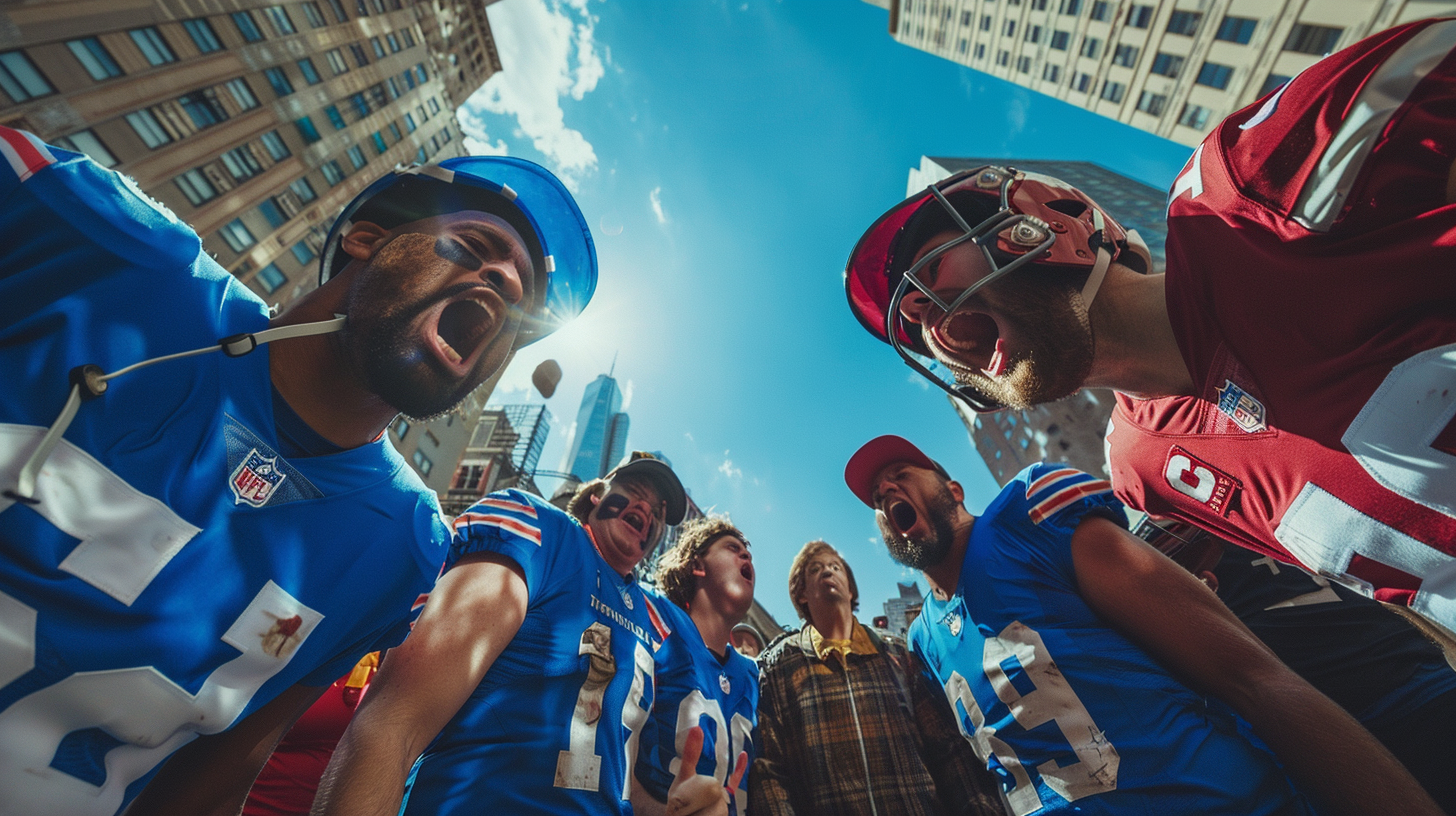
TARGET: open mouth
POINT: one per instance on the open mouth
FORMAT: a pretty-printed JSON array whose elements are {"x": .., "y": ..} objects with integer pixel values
[
  {"x": 902, "y": 516},
  {"x": 747, "y": 572},
  {"x": 636, "y": 520},
  {"x": 462, "y": 329},
  {"x": 974, "y": 339}
]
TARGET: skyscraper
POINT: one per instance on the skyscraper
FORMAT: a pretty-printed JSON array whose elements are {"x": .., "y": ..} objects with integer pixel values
[{"x": 601, "y": 430}]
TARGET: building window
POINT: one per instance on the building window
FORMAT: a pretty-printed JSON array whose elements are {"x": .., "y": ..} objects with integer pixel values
[
  {"x": 1101, "y": 11},
  {"x": 247, "y": 26},
  {"x": 420, "y": 109},
  {"x": 401, "y": 427},
  {"x": 1184, "y": 22},
  {"x": 963, "y": 45},
  {"x": 148, "y": 128},
  {"x": 1214, "y": 75},
  {"x": 338, "y": 9},
  {"x": 271, "y": 278},
  {"x": 1194, "y": 116},
  {"x": 409, "y": 119},
  {"x": 152, "y": 46},
  {"x": 282, "y": 23},
  {"x": 966, "y": 18},
  {"x": 275, "y": 146},
  {"x": 1052, "y": 73},
  {"x": 272, "y": 213},
  {"x": 1152, "y": 103},
  {"x": 393, "y": 43},
  {"x": 303, "y": 253},
  {"x": 361, "y": 105},
  {"x": 202, "y": 35},
  {"x": 1236, "y": 30},
  {"x": 242, "y": 93},
  {"x": 421, "y": 156},
  {"x": 1033, "y": 35},
  {"x": 1060, "y": 39},
  {"x": 203, "y": 107},
  {"x": 378, "y": 46},
  {"x": 333, "y": 173},
  {"x": 1092, "y": 47},
  {"x": 241, "y": 164},
  {"x": 1139, "y": 16},
  {"x": 445, "y": 135},
  {"x": 980, "y": 51},
  {"x": 310, "y": 73},
  {"x": 84, "y": 141},
  {"x": 1003, "y": 57},
  {"x": 237, "y": 235},
  {"x": 356, "y": 157},
  {"x": 335, "y": 118},
  {"x": 435, "y": 103},
  {"x": 196, "y": 187},
  {"x": 361, "y": 58},
  {"x": 1312, "y": 39},
  {"x": 95, "y": 58},
  {"x": 409, "y": 80},
  {"x": 313, "y": 15},
  {"x": 1023, "y": 65},
  {"x": 1167, "y": 65},
  {"x": 409, "y": 38},
  {"x": 1070, "y": 7},
  {"x": 1273, "y": 83},
  {"x": 986, "y": 22},
  {"x": 336, "y": 62},
  {"x": 394, "y": 131},
  {"x": 1081, "y": 82},
  {"x": 422, "y": 462},
  {"x": 303, "y": 190},
  {"x": 421, "y": 74},
  {"x": 1113, "y": 91},
  {"x": 379, "y": 145},
  {"x": 1010, "y": 28},
  {"x": 307, "y": 130},
  {"x": 279, "y": 81},
  {"x": 1125, "y": 55}
]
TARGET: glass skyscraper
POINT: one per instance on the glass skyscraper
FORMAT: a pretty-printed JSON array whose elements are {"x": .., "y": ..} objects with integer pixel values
[{"x": 601, "y": 430}]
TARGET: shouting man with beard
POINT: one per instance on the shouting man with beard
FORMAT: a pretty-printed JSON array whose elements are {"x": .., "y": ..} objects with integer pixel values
[
  {"x": 1290, "y": 383},
  {"x": 1075, "y": 656},
  {"x": 195, "y": 544}
]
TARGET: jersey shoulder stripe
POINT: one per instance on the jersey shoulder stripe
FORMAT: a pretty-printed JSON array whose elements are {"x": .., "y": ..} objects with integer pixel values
[
  {"x": 514, "y": 526},
  {"x": 658, "y": 622},
  {"x": 1050, "y": 478},
  {"x": 498, "y": 503},
  {"x": 1055, "y": 491},
  {"x": 24, "y": 153}
]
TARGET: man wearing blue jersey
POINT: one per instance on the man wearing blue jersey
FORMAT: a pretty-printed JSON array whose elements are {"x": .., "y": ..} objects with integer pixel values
[
  {"x": 196, "y": 544},
  {"x": 707, "y": 582},
  {"x": 526, "y": 683},
  {"x": 1064, "y": 643}
]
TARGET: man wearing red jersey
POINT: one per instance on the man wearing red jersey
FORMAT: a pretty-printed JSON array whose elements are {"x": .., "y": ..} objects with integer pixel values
[{"x": 1290, "y": 383}]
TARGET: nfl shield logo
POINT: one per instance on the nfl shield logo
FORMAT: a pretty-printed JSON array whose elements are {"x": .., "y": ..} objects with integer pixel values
[
  {"x": 626, "y": 597},
  {"x": 953, "y": 623},
  {"x": 1240, "y": 406},
  {"x": 255, "y": 479}
]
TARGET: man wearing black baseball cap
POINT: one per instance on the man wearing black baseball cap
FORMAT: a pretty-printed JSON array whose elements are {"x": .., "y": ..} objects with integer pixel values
[{"x": 1045, "y": 610}]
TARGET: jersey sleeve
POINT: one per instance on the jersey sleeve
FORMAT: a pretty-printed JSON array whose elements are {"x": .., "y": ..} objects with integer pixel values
[
  {"x": 1055, "y": 499},
  {"x": 508, "y": 523}
]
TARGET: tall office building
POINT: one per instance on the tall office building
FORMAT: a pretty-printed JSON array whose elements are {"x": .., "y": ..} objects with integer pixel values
[
  {"x": 901, "y": 611},
  {"x": 601, "y": 430},
  {"x": 1070, "y": 430},
  {"x": 1175, "y": 68},
  {"x": 255, "y": 121}
]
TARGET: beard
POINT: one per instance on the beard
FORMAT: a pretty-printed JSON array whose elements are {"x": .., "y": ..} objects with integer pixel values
[
  {"x": 384, "y": 342},
  {"x": 931, "y": 550},
  {"x": 1051, "y": 319}
]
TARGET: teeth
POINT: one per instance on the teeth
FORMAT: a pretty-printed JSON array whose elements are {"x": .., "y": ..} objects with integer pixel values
[
  {"x": 997, "y": 366},
  {"x": 450, "y": 353}
]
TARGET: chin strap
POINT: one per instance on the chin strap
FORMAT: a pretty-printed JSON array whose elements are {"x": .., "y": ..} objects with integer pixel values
[
  {"x": 1099, "y": 269},
  {"x": 89, "y": 382}
]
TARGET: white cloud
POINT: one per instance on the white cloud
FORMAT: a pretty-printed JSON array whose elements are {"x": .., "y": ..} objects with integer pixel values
[
  {"x": 689, "y": 436},
  {"x": 627, "y": 395},
  {"x": 655, "y": 198},
  {"x": 916, "y": 378},
  {"x": 477, "y": 147},
  {"x": 547, "y": 51},
  {"x": 727, "y": 468}
]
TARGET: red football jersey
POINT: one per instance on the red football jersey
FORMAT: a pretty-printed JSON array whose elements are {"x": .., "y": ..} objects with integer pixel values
[{"x": 1312, "y": 289}]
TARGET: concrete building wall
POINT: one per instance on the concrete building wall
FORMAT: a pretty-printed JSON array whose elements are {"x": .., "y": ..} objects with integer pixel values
[{"x": 1171, "y": 67}]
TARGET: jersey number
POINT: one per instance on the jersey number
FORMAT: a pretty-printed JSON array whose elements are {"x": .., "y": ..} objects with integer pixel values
[
  {"x": 1392, "y": 440},
  {"x": 126, "y": 538},
  {"x": 725, "y": 752},
  {"x": 580, "y": 767},
  {"x": 1051, "y": 699}
]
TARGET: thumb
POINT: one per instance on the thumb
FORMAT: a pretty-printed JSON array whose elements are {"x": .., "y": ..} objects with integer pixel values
[{"x": 692, "y": 749}]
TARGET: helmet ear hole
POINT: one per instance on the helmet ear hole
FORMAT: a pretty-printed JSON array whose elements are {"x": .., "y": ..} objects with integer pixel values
[{"x": 1068, "y": 206}]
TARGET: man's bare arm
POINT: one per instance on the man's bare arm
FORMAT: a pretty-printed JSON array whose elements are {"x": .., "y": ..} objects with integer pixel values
[
  {"x": 211, "y": 775},
  {"x": 1183, "y": 625},
  {"x": 473, "y": 613}
]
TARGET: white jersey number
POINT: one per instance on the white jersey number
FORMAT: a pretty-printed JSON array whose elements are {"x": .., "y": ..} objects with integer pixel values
[
  {"x": 725, "y": 752},
  {"x": 126, "y": 538},
  {"x": 580, "y": 767},
  {"x": 1051, "y": 699},
  {"x": 1391, "y": 438}
]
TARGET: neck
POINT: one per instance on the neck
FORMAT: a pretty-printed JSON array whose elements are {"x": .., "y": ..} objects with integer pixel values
[
  {"x": 317, "y": 380},
  {"x": 834, "y": 621},
  {"x": 1137, "y": 352},
  {"x": 714, "y": 623},
  {"x": 946, "y": 575}
]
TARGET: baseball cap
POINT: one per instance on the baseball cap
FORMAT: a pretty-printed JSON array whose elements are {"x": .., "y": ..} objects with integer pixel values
[
  {"x": 647, "y": 466},
  {"x": 875, "y": 455}
]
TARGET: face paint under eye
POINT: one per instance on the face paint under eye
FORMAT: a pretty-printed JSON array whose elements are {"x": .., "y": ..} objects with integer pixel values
[
  {"x": 612, "y": 505},
  {"x": 457, "y": 254}
]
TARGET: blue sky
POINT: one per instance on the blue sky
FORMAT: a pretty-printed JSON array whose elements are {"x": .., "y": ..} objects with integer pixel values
[{"x": 728, "y": 156}]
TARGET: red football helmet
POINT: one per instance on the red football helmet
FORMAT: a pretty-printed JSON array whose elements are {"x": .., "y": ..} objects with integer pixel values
[{"x": 1038, "y": 221}]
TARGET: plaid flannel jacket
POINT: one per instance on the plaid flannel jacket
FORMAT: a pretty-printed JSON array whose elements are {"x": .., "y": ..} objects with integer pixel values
[{"x": 833, "y": 736}]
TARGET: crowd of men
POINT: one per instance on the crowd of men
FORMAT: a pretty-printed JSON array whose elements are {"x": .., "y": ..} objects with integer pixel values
[{"x": 196, "y": 545}]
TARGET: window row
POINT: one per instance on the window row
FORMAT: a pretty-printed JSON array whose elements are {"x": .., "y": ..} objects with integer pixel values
[{"x": 206, "y": 182}]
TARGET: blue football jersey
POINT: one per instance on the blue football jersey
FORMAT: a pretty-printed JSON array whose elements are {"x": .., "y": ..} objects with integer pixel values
[
  {"x": 695, "y": 688},
  {"x": 177, "y": 571},
  {"x": 1070, "y": 714},
  {"x": 553, "y": 727}
]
